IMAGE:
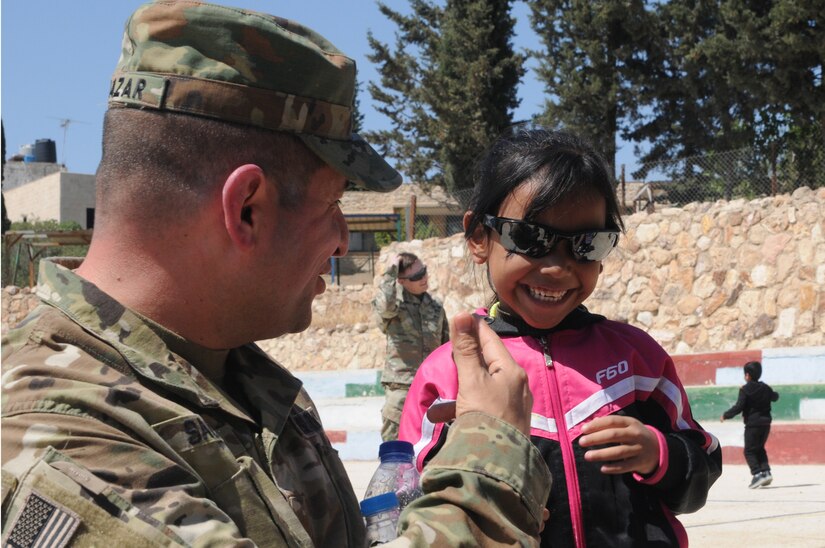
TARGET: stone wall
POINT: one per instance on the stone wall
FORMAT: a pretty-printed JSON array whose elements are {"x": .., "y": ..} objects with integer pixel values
[
  {"x": 708, "y": 277},
  {"x": 704, "y": 278},
  {"x": 17, "y": 303}
]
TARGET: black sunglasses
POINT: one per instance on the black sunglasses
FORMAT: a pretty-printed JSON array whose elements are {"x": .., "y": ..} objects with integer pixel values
[
  {"x": 535, "y": 240},
  {"x": 415, "y": 277}
]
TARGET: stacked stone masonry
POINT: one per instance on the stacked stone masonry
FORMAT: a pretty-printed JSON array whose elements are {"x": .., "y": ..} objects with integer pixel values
[{"x": 708, "y": 277}]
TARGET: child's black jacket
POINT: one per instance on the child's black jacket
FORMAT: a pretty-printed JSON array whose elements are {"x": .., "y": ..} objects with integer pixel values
[{"x": 754, "y": 403}]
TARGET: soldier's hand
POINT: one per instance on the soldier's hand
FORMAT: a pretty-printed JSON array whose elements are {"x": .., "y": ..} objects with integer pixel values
[{"x": 489, "y": 380}]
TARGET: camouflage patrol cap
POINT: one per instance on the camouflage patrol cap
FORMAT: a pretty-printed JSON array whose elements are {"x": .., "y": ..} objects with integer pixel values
[{"x": 249, "y": 68}]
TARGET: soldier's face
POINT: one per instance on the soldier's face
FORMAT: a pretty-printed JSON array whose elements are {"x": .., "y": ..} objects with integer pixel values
[
  {"x": 300, "y": 245},
  {"x": 416, "y": 287}
]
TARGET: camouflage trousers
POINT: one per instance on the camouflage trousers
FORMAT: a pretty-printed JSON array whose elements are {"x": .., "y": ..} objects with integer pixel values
[{"x": 396, "y": 394}]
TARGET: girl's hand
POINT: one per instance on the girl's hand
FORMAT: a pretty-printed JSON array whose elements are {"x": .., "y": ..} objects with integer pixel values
[{"x": 632, "y": 447}]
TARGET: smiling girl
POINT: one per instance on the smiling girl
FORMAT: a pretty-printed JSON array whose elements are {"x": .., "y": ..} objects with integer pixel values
[{"x": 609, "y": 414}]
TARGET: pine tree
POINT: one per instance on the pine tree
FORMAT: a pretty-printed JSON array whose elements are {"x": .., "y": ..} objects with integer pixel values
[
  {"x": 357, "y": 115},
  {"x": 448, "y": 86},
  {"x": 693, "y": 107},
  {"x": 779, "y": 49},
  {"x": 6, "y": 222},
  {"x": 589, "y": 48},
  {"x": 732, "y": 74},
  {"x": 789, "y": 45}
]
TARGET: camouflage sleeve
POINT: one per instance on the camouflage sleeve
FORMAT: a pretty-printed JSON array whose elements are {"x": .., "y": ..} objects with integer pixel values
[
  {"x": 487, "y": 486},
  {"x": 386, "y": 301}
]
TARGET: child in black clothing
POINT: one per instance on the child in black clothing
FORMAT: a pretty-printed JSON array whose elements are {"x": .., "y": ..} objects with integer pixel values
[{"x": 755, "y": 405}]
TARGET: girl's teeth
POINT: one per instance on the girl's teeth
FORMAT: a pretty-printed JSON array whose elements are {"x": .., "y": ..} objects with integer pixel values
[{"x": 546, "y": 295}]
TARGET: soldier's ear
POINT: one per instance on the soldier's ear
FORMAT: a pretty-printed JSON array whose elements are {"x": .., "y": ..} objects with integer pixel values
[
  {"x": 243, "y": 198},
  {"x": 478, "y": 243}
]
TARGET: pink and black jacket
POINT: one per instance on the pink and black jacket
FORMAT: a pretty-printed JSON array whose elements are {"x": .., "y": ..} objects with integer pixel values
[{"x": 588, "y": 367}]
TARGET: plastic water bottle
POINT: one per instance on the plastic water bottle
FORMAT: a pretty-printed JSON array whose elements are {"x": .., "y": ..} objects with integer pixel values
[
  {"x": 381, "y": 514},
  {"x": 396, "y": 473}
]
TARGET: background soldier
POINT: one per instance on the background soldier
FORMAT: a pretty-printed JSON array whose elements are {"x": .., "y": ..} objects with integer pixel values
[{"x": 415, "y": 325}]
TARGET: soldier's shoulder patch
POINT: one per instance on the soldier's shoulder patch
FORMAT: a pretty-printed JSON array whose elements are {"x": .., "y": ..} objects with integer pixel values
[
  {"x": 305, "y": 421},
  {"x": 42, "y": 523}
]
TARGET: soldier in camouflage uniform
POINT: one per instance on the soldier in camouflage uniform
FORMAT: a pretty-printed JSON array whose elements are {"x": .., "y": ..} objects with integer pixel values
[
  {"x": 136, "y": 410},
  {"x": 415, "y": 325}
]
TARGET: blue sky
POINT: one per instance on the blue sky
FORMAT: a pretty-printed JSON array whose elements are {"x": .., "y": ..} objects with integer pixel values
[{"x": 58, "y": 56}]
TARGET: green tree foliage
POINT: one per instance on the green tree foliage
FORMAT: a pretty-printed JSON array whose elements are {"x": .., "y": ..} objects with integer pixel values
[
  {"x": 692, "y": 106},
  {"x": 779, "y": 53},
  {"x": 448, "y": 86},
  {"x": 690, "y": 80},
  {"x": 731, "y": 74},
  {"x": 6, "y": 223},
  {"x": 589, "y": 48},
  {"x": 779, "y": 47},
  {"x": 357, "y": 115},
  {"x": 383, "y": 239}
]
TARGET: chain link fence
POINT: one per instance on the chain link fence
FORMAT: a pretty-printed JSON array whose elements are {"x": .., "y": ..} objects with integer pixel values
[{"x": 744, "y": 173}]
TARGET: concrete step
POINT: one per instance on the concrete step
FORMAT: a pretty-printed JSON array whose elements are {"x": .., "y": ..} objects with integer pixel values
[
  {"x": 804, "y": 365},
  {"x": 353, "y": 425},
  {"x": 334, "y": 384},
  {"x": 354, "y": 428},
  {"x": 350, "y": 401},
  {"x": 796, "y": 442},
  {"x": 796, "y": 402}
]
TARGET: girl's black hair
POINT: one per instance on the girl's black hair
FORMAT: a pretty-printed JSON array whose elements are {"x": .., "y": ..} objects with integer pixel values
[{"x": 561, "y": 163}]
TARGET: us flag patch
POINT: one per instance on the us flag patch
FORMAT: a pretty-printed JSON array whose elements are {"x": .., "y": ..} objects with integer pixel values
[{"x": 42, "y": 524}]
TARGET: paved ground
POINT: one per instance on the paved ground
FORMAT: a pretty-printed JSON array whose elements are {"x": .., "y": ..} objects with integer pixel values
[{"x": 790, "y": 513}]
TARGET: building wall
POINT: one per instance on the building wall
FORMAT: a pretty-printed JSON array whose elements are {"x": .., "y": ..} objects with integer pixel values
[
  {"x": 77, "y": 193},
  {"x": 723, "y": 276},
  {"x": 36, "y": 200},
  {"x": 17, "y": 174},
  {"x": 60, "y": 196}
]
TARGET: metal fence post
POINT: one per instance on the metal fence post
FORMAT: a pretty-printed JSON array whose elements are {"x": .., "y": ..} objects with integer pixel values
[
  {"x": 411, "y": 219},
  {"x": 773, "y": 168},
  {"x": 624, "y": 204}
]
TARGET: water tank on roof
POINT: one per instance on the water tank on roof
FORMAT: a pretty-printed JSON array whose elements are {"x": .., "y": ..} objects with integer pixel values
[
  {"x": 27, "y": 152},
  {"x": 45, "y": 151}
]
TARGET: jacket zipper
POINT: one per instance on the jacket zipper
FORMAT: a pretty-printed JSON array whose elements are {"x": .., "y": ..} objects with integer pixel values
[{"x": 568, "y": 458}]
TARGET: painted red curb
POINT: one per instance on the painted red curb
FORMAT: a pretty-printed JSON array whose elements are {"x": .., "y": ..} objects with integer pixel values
[
  {"x": 787, "y": 444},
  {"x": 700, "y": 369},
  {"x": 336, "y": 436}
]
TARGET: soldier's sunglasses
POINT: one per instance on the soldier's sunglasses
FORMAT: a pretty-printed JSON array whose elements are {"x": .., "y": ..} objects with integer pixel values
[
  {"x": 535, "y": 240},
  {"x": 415, "y": 277}
]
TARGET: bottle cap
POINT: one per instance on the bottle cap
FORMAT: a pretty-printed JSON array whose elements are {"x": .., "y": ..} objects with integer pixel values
[
  {"x": 396, "y": 446},
  {"x": 379, "y": 503}
]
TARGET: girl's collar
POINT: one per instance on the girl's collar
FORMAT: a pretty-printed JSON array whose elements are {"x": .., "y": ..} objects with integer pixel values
[{"x": 509, "y": 325}]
